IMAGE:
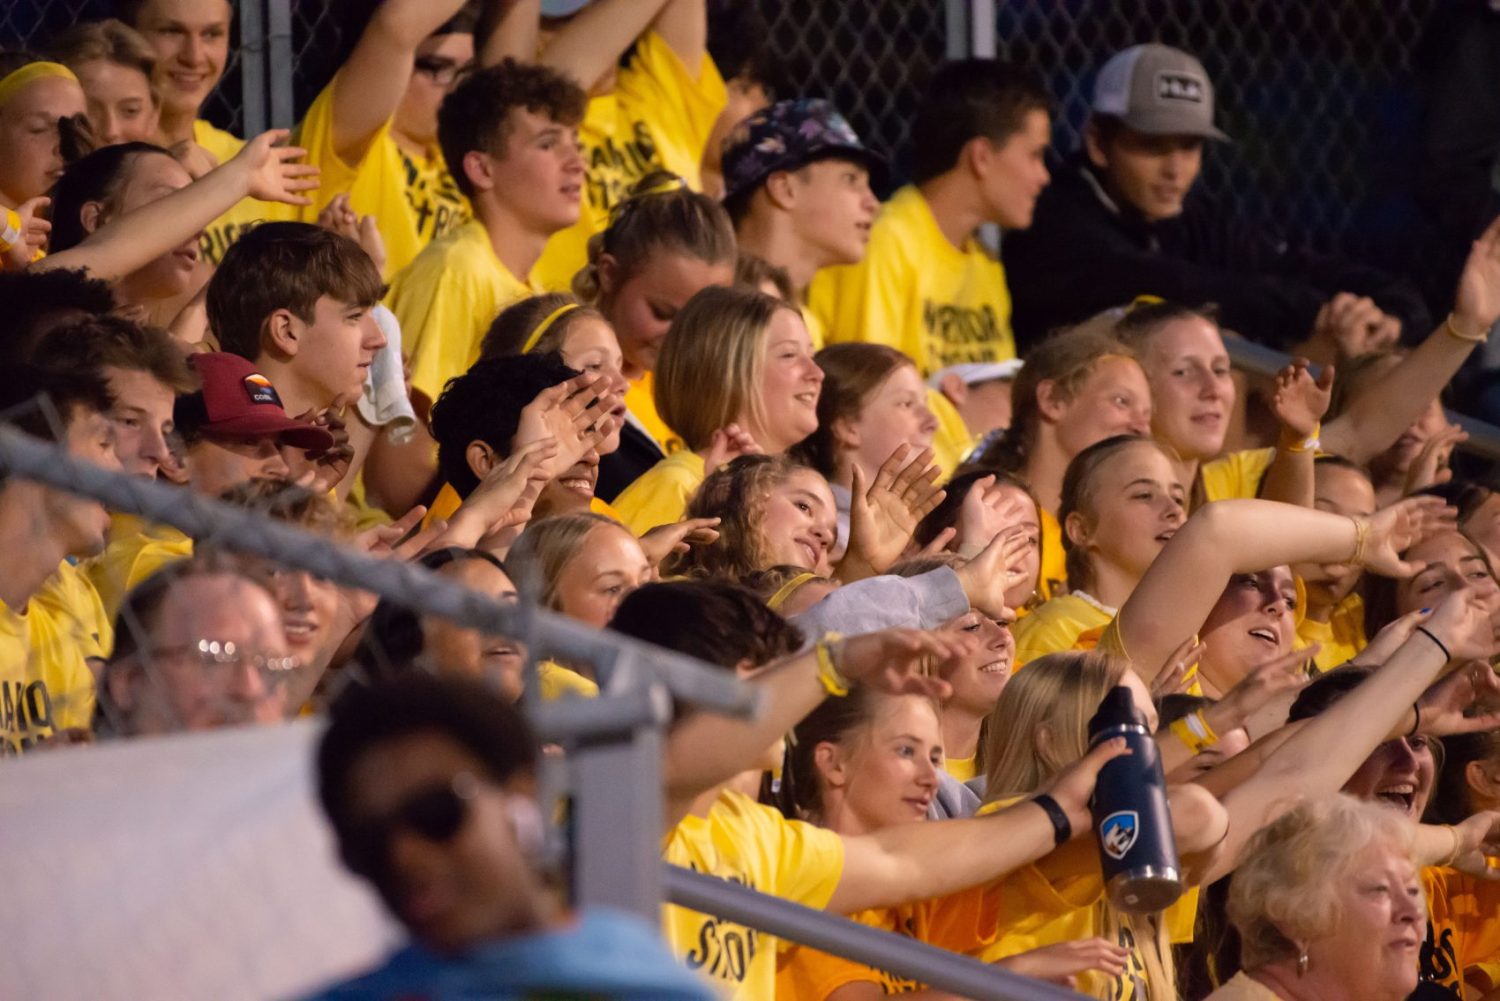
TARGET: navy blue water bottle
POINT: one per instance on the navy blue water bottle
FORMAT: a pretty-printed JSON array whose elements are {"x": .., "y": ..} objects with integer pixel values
[{"x": 1137, "y": 850}]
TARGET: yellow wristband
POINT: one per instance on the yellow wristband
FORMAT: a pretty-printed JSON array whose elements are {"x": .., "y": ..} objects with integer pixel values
[
  {"x": 829, "y": 676},
  {"x": 1185, "y": 733},
  {"x": 11, "y": 235},
  {"x": 1290, "y": 442}
]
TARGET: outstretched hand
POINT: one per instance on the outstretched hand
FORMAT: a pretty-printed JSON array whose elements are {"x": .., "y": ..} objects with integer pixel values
[
  {"x": 1466, "y": 701},
  {"x": 884, "y": 515},
  {"x": 1477, "y": 302},
  {"x": 1073, "y": 787},
  {"x": 1300, "y": 401},
  {"x": 1395, "y": 529},
  {"x": 339, "y": 217},
  {"x": 987, "y": 577},
  {"x": 678, "y": 537},
  {"x": 895, "y": 661},
  {"x": 576, "y": 414},
  {"x": 31, "y": 235},
  {"x": 272, "y": 173}
]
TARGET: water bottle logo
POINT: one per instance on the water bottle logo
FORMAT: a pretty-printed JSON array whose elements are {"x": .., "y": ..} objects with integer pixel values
[{"x": 1118, "y": 833}]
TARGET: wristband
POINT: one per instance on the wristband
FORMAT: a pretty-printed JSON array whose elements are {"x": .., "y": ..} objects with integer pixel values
[
  {"x": 1440, "y": 645},
  {"x": 1458, "y": 843},
  {"x": 1452, "y": 331},
  {"x": 1291, "y": 443},
  {"x": 829, "y": 676},
  {"x": 1194, "y": 731},
  {"x": 1062, "y": 827},
  {"x": 1361, "y": 536},
  {"x": 11, "y": 235}
]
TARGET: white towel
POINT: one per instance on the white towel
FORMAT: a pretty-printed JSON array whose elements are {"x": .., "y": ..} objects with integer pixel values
[{"x": 384, "y": 403}]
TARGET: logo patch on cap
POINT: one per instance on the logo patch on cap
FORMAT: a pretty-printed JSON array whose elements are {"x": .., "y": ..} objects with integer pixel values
[
  {"x": 1179, "y": 87},
  {"x": 260, "y": 390}
]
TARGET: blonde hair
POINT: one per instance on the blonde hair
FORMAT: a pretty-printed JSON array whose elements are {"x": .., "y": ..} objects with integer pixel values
[
  {"x": 1058, "y": 694},
  {"x": 1066, "y": 359},
  {"x": 661, "y": 213},
  {"x": 709, "y": 371},
  {"x": 1286, "y": 887},
  {"x": 547, "y": 546}
]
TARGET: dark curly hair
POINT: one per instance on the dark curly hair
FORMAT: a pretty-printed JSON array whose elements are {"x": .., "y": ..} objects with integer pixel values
[{"x": 476, "y": 114}]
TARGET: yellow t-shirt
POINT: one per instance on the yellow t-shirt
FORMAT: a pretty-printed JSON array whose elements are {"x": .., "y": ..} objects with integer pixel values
[
  {"x": 961, "y": 922},
  {"x": 753, "y": 845},
  {"x": 1236, "y": 475},
  {"x": 136, "y": 550},
  {"x": 1060, "y": 898},
  {"x": 1066, "y": 622},
  {"x": 658, "y": 116},
  {"x": 816, "y": 332},
  {"x": 640, "y": 400},
  {"x": 219, "y": 234},
  {"x": 555, "y": 681},
  {"x": 1053, "y": 579},
  {"x": 414, "y": 199},
  {"x": 1463, "y": 927},
  {"x": 960, "y": 768},
  {"x": 446, "y": 299},
  {"x": 952, "y": 442},
  {"x": 915, "y": 291},
  {"x": 1342, "y": 636},
  {"x": 661, "y": 495},
  {"x": 45, "y": 680}
]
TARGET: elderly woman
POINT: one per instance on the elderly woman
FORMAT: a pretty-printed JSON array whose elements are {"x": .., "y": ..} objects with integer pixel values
[{"x": 1328, "y": 906}]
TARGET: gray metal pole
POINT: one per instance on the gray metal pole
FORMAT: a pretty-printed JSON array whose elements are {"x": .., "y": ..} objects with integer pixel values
[
  {"x": 252, "y": 532},
  {"x": 252, "y": 68},
  {"x": 956, "y": 28},
  {"x": 279, "y": 64},
  {"x": 900, "y": 955},
  {"x": 982, "y": 28}
]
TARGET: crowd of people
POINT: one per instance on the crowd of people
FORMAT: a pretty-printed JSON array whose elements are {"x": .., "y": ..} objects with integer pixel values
[{"x": 578, "y": 298}]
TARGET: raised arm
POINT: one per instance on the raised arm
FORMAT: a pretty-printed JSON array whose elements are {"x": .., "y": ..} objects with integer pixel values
[
  {"x": 909, "y": 862},
  {"x": 508, "y": 30},
  {"x": 1299, "y": 403},
  {"x": 1378, "y": 416},
  {"x": 591, "y": 43},
  {"x": 369, "y": 86},
  {"x": 1244, "y": 536},
  {"x": 705, "y": 749},
  {"x": 1321, "y": 755},
  {"x": 683, "y": 25},
  {"x": 260, "y": 170}
]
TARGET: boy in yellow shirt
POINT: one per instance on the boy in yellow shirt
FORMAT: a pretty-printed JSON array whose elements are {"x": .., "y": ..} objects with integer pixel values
[
  {"x": 373, "y": 130},
  {"x": 797, "y": 187},
  {"x": 652, "y": 110},
  {"x": 927, "y": 286},
  {"x": 509, "y": 134},
  {"x": 191, "y": 42},
  {"x": 51, "y": 624}
]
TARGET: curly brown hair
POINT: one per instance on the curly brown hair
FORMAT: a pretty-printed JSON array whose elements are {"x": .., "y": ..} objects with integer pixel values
[{"x": 735, "y": 494}]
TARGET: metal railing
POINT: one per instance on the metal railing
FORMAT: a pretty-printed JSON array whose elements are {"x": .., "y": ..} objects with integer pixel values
[{"x": 614, "y": 742}]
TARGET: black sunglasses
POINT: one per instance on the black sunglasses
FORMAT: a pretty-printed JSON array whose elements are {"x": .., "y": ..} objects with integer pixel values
[{"x": 436, "y": 814}]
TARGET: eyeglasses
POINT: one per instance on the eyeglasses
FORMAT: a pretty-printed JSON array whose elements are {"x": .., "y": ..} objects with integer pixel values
[
  {"x": 216, "y": 655},
  {"x": 443, "y": 71},
  {"x": 435, "y": 814}
]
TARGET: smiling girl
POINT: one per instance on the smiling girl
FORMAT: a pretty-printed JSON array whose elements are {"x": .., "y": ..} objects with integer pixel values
[{"x": 735, "y": 374}]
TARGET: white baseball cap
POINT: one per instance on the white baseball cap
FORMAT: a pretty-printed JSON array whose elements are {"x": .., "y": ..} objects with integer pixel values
[{"x": 977, "y": 371}]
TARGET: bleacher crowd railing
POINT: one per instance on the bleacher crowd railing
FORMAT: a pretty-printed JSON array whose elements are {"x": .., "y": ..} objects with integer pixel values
[{"x": 613, "y": 742}]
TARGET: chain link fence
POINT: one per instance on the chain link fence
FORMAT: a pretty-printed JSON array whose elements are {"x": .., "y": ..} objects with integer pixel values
[{"x": 1321, "y": 99}]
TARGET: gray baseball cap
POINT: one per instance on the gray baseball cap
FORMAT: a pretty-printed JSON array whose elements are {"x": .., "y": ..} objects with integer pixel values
[{"x": 1158, "y": 90}]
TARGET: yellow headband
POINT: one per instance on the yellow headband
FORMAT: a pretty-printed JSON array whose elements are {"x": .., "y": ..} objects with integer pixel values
[
  {"x": 13, "y": 82},
  {"x": 541, "y": 328},
  {"x": 785, "y": 592}
]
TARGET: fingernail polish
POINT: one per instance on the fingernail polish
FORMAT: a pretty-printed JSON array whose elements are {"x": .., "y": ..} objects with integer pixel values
[{"x": 1426, "y": 610}]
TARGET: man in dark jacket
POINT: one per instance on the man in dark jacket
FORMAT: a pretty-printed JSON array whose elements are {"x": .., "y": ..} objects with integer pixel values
[{"x": 1121, "y": 220}]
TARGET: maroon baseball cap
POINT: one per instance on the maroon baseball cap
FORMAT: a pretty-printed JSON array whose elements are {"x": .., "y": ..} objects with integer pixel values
[{"x": 236, "y": 401}]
